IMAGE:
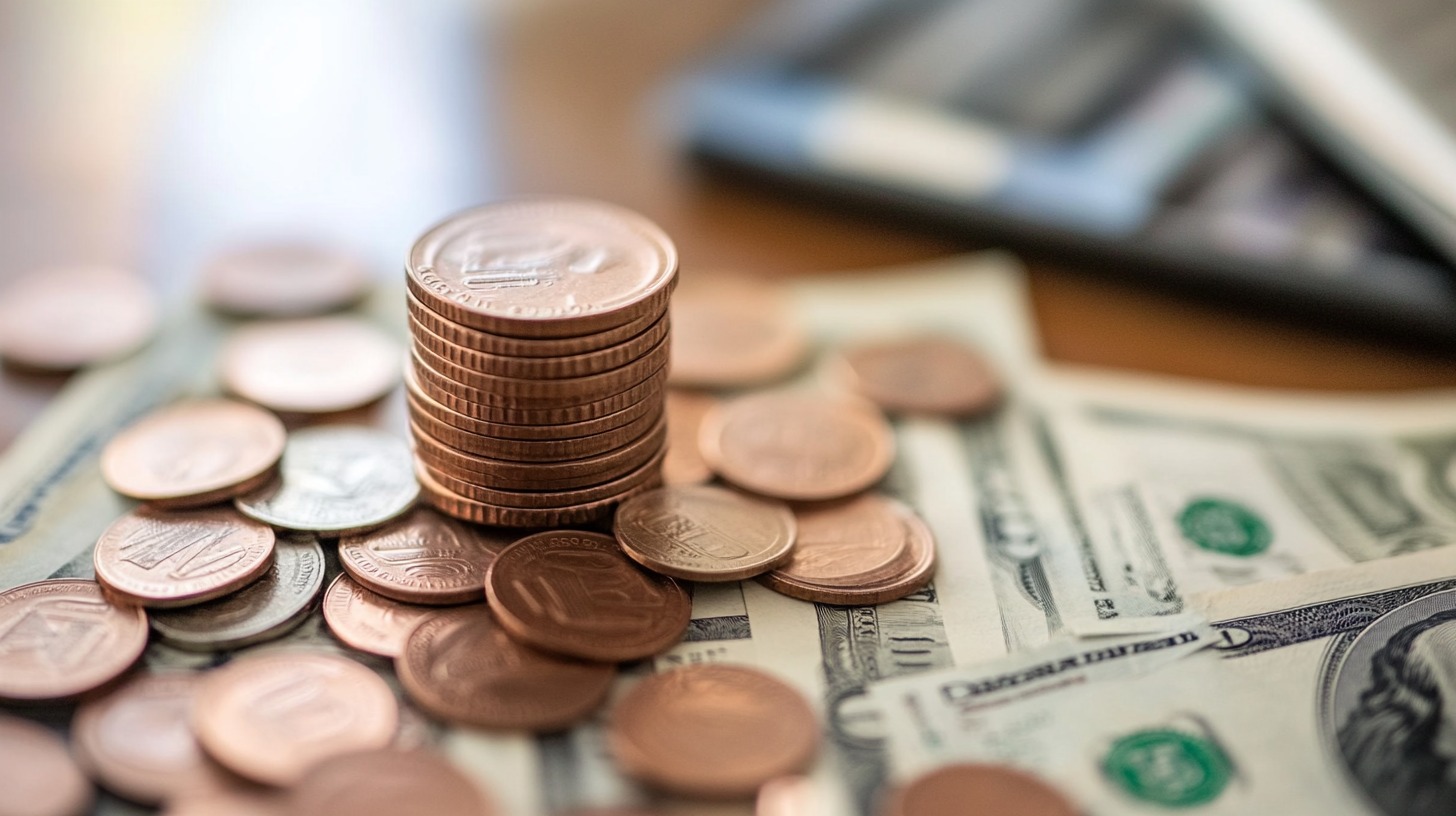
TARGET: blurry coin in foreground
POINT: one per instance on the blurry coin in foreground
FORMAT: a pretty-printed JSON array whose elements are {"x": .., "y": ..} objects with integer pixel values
[
  {"x": 705, "y": 533},
  {"x": 284, "y": 279},
  {"x": 367, "y": 621},
  {"x": 973, "y": 789},
  {"x": 63, "y": 319},
  {"x": 179, "y": 558},
  {"x": 316, "y": 366},
  {"x": 63, "y": 637},
  {"x": 387, "y": 782},
  {"x": 425, "y": 557},
  {"x": 926, "y": 375},
  {"x": 37, "y": 776}
]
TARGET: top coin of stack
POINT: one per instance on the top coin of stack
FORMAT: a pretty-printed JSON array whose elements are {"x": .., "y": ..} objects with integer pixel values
[{"x": 539, "y": 358}]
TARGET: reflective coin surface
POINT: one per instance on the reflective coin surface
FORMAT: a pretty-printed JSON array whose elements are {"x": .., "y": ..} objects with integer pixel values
[
  {"x": 972, "y": 789},
  {"x": 425, "y": 558},
  {"x": 63, "y": 637},
  {"x": 705, "y": 533},
  {"x": 367, "y": 621},
  {"x": 37, "y": 776},
  {"x": 823, "y": 578},
  {"x": 849, "y": 543},
  {"x": 929, "y": 375},
  {"x": 181, "y": 557},
  {"x": 314, "y": 366},
  {"x": 388, "y": 782},
  {"x": 63, "y": 319},
  {"x": 284, "y": 279},
  {"x": 733, "y": 332}
]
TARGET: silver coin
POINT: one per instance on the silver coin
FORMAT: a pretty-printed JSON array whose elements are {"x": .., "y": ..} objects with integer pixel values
[
  {"x": 338, "y": 480},
  {"x": 265, "y": 609}
]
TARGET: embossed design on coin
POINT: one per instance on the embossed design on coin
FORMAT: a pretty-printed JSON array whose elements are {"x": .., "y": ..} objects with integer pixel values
[
  {"x": 271, "y": 717},
  {"x": 732, "y": 332},
  {"x": 462, "y": 667},
  {"x": 62, "y": 637},
  {"x": 320, "y": 365},
  {"x": 684, "y": 464},
  {"x": 932, "y": 375},
  {"x": 973, "y": 789},
  {"x": 857, "y": 552},
  {"x": 426, "y": 557},
  {"x": 576, "y": 594},
  {"x": 337, "y": 479},
  {"x": 705, "y": 533},
  {"x": 367, "y": 621},
  {"x": 181, "y": 558},
  {"x": 284, "y": 279},
  {"x": 37, "y": 776},
  {"x": 62, "y": 319},
  {"x": 712, "y": 730},
  {"x": 387, "y": 783}
]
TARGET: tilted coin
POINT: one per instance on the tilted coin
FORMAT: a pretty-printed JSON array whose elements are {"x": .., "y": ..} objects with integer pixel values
[
  {"x": 368, "y": 621},
  {"x": 314, "y": 366},
  {"x": 909, "y": 572},
  {"x": 388, "y": 782},
  {"x": 193, "y": 453},
  {"x": 973, "y": 789},
  {"x": 529, "y": 450},
  {"x": 849, "y": 543},
  {"x": 705, "y": 533},
  {"x": 731, "y": 332},
  {"x": 63, "y": 319},
  {"x": 712, "y": 730},
  {"x": 529, "y": 347},
  {"x": 565, "y": 366},
  {"x": 462, "y": 667},
  {"x": 798, "y": 446},
  {"x": 576, "y": 594},
  {"x": 271, "y": 717},
  {"x": 63, "y": 637},
  {"x": 515, "y": 390},
  {"x": 467, "y": 509},
  {"x": 265, "y": 609},
  {"x": 685, "y": 413},
  {"x": 337, "y": 479},
  {"x": 933, "y": 375},
  {"x": 425, "y": 558},
  {"x": 284, "y": 279},
  {"x": 183, "y": 557},
  {"x": 37, "y": 775}
]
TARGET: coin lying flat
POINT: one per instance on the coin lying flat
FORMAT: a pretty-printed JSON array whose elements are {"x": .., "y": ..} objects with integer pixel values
[
  {"x": 461, "y": 666},
  {"x": 179, "y": 558},
  {"x": 712, "y": 730},
  {"x": 705, "y": 533},
  {"x": 463, "y": 507},
  {"x": 972, "y": 789},
  {"x": 515, "y": 390},
  {"x": 423, "y": 421},
  {"x": 595, "y": 361},
  {"x": 337, "y": 479},
  {"x": 271, "y": 717},
  {"x": 63, "y": 319},
  {"x": 314, "y": 366},
  {"x": 576, "y": 594},
  {"x": 545, "y": 496},
  {"x": 732, "y": 332},
  {"x": 284, "y": 279},
  {"x": 527, "y": 347},
  {"x": 561, "y": 475},
  {"x": 63, "y": 637},
  {"x": 368, "y": 621},
  {"x": 194, "y": 453},
  {"x": 387, "y": 782},
  {"x": 425, "y": 558},
  {"x": 37, "y": 776},
  {"x": 685, "y": 413},
  {"x": 798, "y": 446},
  {"x": 932, "y": 375}
]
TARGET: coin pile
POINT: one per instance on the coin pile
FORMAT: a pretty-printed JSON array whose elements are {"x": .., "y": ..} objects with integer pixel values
[{"x": 539, "y": 357}]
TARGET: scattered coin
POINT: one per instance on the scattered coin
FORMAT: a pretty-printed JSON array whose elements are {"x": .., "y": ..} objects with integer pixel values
[
  {"x": 424, "y": 558},
  {"x": 576, "y": 594},
  {"x": 266, "y": 609},
  {"x": 194, "y": 453},
  {"x": 972, "y": 789},
  {"x": 462, "y": 667},
  {"x": 314, "y": 366},
  {"x": 705, "y": 533},
  {"x": 63, "y": 637},
  {"x": 798, "y": 446},
  {"x": 179, "y": 558},
  {"x": 933, "y": 375},
  {"x": 387, "y": 782},
  {"x": 368, "y": 621},
  {"x": 271, "y": 717},
  {"x": 337, "y": 479},
  {"x": 733, "y": 332},
  {"x": 37, "y": 776},
  {"x": 63, "y": 319},
  {"x": 685, "y": 413},
  {"x": 712, "y": 730},
  {"x": 284, "y": 279}
]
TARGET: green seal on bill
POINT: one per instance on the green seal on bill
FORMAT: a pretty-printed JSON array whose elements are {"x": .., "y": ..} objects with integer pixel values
[
  {"x": 1169, "y": 768},
  {"x": 1226, "y": 527}
]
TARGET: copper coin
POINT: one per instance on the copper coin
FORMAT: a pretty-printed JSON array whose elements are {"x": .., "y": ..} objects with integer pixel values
[
  {"x": 560, "y": 475},
  {"x": 233, "y": 800},
  {"x": 284, "y": 279},
  {"x": 271, "y": 717},
  {"x": 910, "y": 572},
  {"x": 705, "y": 533},
  {"x": 543, "y": 267},
  {"x": 973, "y": 789},
  {"x": 521, "y": 450},
  {"x": 798, "y": 446},
  {"x": 685, "y": 412},
  {"x": 439, "y": 388},
  {"x": 315, "y": 366},
  {"x": 181, "y": 557},
  {"x": 137, "y": 740},
  {"x": 368, "y": 621},
  {"x": 193, "y": 453},
  {"x": 461, "y": 666},
  {"x": 650, "y": 471},
  {"x": 851, "y": 542},
  {"x": 530, "y": 347},
  {"x": 387, "y": 782},
  {"x": 734, "y": 332},
  {"x": 37, "y": 776},
  {"x": 424, "y": 558},
  {"x": 576, "y": 594},
  {"x": 528, "y": 392},
  {"x": 63, "y": 637},
  {"x": 63, "y": 319},
  {"x": 934, "y": 375},
  {"x": 712, "y": 730},
  {"x": 570, "y": 366},
  {"x": 468, "y": 509}
]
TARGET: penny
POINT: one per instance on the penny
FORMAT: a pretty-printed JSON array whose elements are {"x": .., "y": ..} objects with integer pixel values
[
  {"x": 851, "y": 542},
  {"x": 271, "y": 717},
  {"x": 567, "y": 366},
  {"x": 467, "y": 509},
  {"x": 733, "y": 333},
  {"x": 480, "y": 404},
  {"x": 64, "y": 637},
  {"x": 368, "y": 621},
  {"x": 424, "y": 558},
  {"x": 973, "y": 789},
  {"x": 560, "y": 475},
  {"x": 336, "y": 479},
  {"x": 387, "y": 782},
  {"x": 37, "y": 775},
  {"x": 685, "y": 412},
  {"x": 194, "y": 453},
  {"x": 576, "y": 594},
  {"x": 63, "y": 319},
  {"x": 909, "y": 572},
  {"x": 284, "y": 279},
  {"x": 183, "y": 557},
  {"x": 641, "y": 475},
  {"x": 234, "y": 800},
  {"x": 705, "y": 533},
  {"x": 529, "y": 347},
  {"x": 461, "y": 666},
  {"x": 798, "y": 446},
  {"x": 543, "y": 267},
  {"x": 712, "y": 730},
  {"x": 264, "y": 610},
  {"x": 314, "y": 366},
  {"x": 514, "y": 390},
  {"x": 520, "y": 450},
  {"x": 932, "y": 375},
  {"x": 137, "y": 741}
]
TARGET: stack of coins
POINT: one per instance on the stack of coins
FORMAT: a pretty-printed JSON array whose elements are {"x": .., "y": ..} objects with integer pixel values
[{"x": 538, "y": 362}]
